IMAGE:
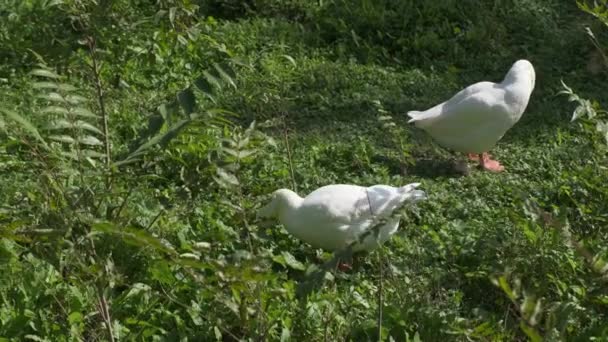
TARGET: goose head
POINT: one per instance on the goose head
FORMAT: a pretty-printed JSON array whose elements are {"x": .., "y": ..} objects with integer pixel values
[
  {"x": 283, "y": 200},
  {"x": 522, "y": 71}
]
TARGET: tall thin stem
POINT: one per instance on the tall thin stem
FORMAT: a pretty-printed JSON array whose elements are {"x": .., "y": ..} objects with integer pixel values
[
  {"x": 100, "y": 98},
  {"x": 104, "y": 310},
  {"x": 286, "y": 137},
  {"x": 380, "y": 294}
]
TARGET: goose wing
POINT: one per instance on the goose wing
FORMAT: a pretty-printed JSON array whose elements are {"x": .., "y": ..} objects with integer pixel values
[{"x": 422, "y": 118}]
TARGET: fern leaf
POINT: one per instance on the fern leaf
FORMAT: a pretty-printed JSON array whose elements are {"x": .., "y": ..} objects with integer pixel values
[
  {"x": 87, "y": 127},
  {"x": 84, "y": 112},
  {"x": 45, "y": 85},
  {"x": 56, "y": 110},
  {"x": 213, "y": 79},
  {"x": 62, "y": 138},
  {"x": 52, "y": 97},
  {"x": 59, "y": 124},
  {"x": 224, "y": 75},
  {"x": 25, "y": 124},
  {"x": 171, "y": 133},
  {"x": 44, "y": 73},
  {"x": 75, "y": 99},
  {"x": 90, "y": 140},
  {"x": 92, "y": 154}
]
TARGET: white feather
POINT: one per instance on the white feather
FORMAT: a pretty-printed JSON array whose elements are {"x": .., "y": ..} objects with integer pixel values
[
  {"x": 477, "y": 117},
  {"x": 334, "y": 216}
]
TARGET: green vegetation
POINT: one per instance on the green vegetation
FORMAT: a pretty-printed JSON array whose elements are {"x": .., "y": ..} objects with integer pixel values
[{"x": 139, "y": 138}]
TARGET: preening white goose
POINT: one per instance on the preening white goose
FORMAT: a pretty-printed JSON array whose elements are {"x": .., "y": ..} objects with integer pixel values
[
  {"x": 334, "y": 216},
  {"x": 477, "y": 117}
]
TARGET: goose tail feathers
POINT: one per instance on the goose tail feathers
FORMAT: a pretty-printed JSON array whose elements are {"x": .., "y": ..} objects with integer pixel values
[
  {"x": 411, "y": 192},
  {"x": 415, "y": 115}
]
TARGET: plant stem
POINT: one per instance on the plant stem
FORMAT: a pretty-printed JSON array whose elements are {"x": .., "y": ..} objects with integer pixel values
[
  {"x": 286, "y": 137},
  {"x": 380, "y": 294},
  {"x": 104, "y": 310},
  {"x": 100, "y": 99}
]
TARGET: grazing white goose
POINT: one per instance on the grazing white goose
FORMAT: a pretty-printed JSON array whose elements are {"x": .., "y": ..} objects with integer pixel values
[
  {"x": 478, "y": 116},
  {"x": 334, "y": 216}
]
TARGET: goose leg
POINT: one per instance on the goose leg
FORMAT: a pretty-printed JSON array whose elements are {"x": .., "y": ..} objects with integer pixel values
[
  {"x": 344, "y": 266},
  {"x": 349, "y": 264},
  {"x": 474, "y": 156},
  {"x": 487, "y": 163}
]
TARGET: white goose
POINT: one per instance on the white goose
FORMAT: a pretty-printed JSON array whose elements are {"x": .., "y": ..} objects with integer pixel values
[
  {"x": 334, "y": 216},
  {"x": 478, "y": 116}
]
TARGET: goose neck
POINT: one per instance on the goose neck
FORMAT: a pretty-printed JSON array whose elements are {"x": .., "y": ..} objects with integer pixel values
[{"x": 289, "y": 202}]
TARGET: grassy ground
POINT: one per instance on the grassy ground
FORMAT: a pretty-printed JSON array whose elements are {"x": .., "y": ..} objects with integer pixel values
[
  {"x": 473, "y": 261},
  {"x": 443, "y": 259}
]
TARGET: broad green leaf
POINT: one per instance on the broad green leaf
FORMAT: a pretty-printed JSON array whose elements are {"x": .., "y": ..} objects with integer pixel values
[
  {"x": 224, "y": 75},
  {"x": 75, "y": 99},
  {"x": 91, "y": 162},
  {"x": 227, "y": 177},
  {"x": 59, "y": 124},
  {"x": 172, "y": 11},
  {"x": 138, "y": 288},
  {"x": 602, "y": 128},
  {"x": 135, "y": 236},
  {"x": 132, "y": 160},
  {"x": 291, "y": 60},
  {"x": 163, "y": 110},
  {"x": 172, "y": 132},
  {"x": 187, "y": 100},
  {"x": 84, "y": 112},
  {"x": 579, "y": 111},
  {"x": 241, "y": 61},
  {"x": 62, "y": 138},
  {"x": 75, "y": 317},
  {"x": 52, "y": 97},
  {"x": 230, "y": 142},
  {"x": 285, "y": 334},
  {"x": 44, "y": 85},
  {"x": 292, "y": 262},
  {"x": 228, "y": 70},
  {"x": 230, "y": 151},
  {"x": 156, "y": 122},
  {"x": 92, "y": 154},
  {"x": 219, "y": 111},
  {"x": 243, "y": 142},
  {"x": 192, "y": 263},
  {"x": 87, "y": 127},
  {"x": 531, "y": 332},
  {"x": 69, "y": 154},
  {"x": 527, "y": 307},
  {"x": 56, "y": 110},
  {"x": 246, "y": 153},
  {"x": 213, "y": 79},
  {"x": 66, "y": 87},
  {"x": 90, "y": 140},
  {"x": 504, "y": 285},
  {"x": 189, "y": 256},
  {"x": 182, "y": 39},
  {"x": 44, "y": 73},
  {"x": 205, "y": 87},
  {"x": 160, "y": 271},
  {"x": 52, "y": 85}
]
